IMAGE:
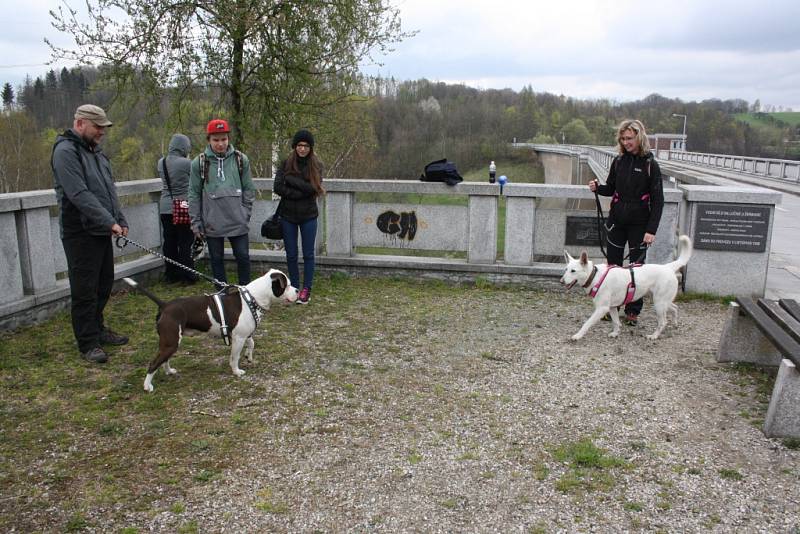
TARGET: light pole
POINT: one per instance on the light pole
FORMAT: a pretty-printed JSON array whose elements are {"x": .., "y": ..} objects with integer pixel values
[{"x": 684, "y": 128}]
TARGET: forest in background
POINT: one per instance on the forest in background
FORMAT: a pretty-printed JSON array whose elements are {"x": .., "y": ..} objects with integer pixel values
[{"x": 388, "y": 129}]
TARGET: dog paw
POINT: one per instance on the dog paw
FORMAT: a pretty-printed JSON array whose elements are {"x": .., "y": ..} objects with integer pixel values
[
  {"x": 613, "y": 334},
  {"x": 149, "y": 388},
  {"x": 239, "y": 372},
  {"x": 651, "y": 337},
  {"x": 172, "y": 371},
  {"x": 576, "y": 337}
]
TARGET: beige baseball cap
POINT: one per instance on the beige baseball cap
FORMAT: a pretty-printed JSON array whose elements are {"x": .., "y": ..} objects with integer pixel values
[{"x": 93, "y": 113}]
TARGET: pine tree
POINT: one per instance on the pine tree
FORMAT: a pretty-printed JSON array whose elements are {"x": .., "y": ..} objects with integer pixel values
[{"x": 8, "y": 96}]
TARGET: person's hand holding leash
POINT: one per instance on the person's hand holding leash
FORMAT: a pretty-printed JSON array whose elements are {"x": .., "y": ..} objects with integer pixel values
[
  {"x": 118, "y": 230},
  {"x": 593, "y": 185},
  {"x": 649, "y": 239}
]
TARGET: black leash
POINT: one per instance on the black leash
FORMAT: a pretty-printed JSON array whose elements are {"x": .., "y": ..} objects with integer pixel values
[
  {"x": 601, "y": 222},
  {"x": 124, "y": 240}
]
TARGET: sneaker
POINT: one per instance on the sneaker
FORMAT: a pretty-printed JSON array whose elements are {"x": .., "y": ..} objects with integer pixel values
[
  {"x": 631, "y": 319},
  {"x": 96, "y": 355},
  {"x": 109, "y": 337},
  {"x": 305, "y": 296}
]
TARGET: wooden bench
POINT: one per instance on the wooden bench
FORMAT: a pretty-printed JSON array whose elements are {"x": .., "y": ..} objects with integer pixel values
[{"x": 767, "y": 332}]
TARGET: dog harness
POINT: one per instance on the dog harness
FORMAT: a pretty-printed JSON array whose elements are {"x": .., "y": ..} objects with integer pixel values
[
  {"x": 224, "y": 329},
  {"x": 629, "y": 293},
  {"x": 255, "y": 309},
  {"x": 252, "y": 305}
]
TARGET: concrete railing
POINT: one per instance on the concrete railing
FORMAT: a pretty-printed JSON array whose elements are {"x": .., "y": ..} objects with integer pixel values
[
  {"x": 777, "y": 169},
  {"x": 459, "y": 233}
]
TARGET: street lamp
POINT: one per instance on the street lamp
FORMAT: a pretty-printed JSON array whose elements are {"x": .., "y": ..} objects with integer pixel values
[{"x": 684, "y": 127}]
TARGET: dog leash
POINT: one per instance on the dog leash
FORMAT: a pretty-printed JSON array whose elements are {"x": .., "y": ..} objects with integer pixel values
[
  {"x": 122, "y": 242},
  {"x": 600, "y": 222}
]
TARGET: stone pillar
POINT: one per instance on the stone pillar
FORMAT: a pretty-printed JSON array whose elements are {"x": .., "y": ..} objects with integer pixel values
[
  {"x": 742, "y": 341},
  {"x": 35, "y": 249},
  {"x": 11, "y": 288},
  {"x": 339, "y": 222},
  {"x": 783, "y": 414},
  {"x": 482, "y": 243},
  {"x": 520, "y": 217}
]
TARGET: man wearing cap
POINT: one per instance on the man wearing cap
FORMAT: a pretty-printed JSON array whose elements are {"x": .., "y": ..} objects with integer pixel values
[
  {"x": 89, "y": 215},
  {"x": 221, "y": 195}
]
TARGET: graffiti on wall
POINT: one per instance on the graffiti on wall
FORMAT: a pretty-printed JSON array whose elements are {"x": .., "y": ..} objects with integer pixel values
[{"x": 401, "y": 225}]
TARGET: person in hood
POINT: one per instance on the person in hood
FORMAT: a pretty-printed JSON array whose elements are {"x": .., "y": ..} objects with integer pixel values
[
  {"x": 174, "y": 170},
  {"x": 634, "y": 183},
  {"x": 298, "y": 181},
  {"x": 89, "y": 214},
  {"x": 221, "y": 195}
]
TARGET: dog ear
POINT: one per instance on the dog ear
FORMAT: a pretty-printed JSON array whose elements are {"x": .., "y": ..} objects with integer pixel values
[
  {"x": 584, "y": 258},
  {"x": 279, "y": 283},
  {"x": 567, "y": 256}
]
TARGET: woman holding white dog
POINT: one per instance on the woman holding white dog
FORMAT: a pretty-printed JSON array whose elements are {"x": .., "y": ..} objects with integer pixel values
[
  {"x": 298, "y": 181},
  {"x": 634, "y": 183}
]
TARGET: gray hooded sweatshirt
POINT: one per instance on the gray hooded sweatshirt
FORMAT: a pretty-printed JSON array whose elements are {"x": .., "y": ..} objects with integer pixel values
[{"x": 178, "y": 167}]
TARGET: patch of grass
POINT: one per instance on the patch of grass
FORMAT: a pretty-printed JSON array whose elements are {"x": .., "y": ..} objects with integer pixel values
[
  {"x": 730, "y": 474},
  {"x": 414, "y": 458},
  {"x": 267, "y": 503},
  {"x": 589, "y": 467},
  {"x": 76, "y": 523},
  {"x": 633, "y": 506},
  {"x": 705, "y": 297},
  {"x": 791, "y": 443}
]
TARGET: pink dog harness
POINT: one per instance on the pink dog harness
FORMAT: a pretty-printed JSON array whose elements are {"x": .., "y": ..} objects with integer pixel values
[{"x": 631, "y": 285}]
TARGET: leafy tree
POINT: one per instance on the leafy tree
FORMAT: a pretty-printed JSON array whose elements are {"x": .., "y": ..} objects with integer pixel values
[
  {"x": 576, "y": 133},
  {"x": 270, "y": 62},
  {"x": 8, "y": 96}
]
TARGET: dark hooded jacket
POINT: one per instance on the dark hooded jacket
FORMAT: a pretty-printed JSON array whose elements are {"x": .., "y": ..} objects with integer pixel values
[
  {"x": 635, "y": 184},
  {"x": 178, "y": 167},
  {"x": 298, "y": 196},
  {"x": 85, "y": 189}
]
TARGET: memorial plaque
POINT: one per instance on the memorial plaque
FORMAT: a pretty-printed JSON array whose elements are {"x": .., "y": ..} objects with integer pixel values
[
  {"x": 582, "y": 231},
  {"x": 735, "y": 227}
]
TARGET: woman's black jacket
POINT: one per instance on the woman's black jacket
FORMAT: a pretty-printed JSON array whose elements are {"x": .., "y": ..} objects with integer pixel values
[
  {"x": 634, "y": 182},
  {"x": 298, "y": 196}
]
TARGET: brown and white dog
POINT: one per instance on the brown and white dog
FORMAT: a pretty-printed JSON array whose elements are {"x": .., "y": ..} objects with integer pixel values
[
  {"x": 609, "y": 286},
  {"x": 191, "y": 315}
]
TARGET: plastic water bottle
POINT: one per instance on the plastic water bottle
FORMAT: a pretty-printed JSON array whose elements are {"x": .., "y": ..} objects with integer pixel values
[{"x": 492, "y": 171}]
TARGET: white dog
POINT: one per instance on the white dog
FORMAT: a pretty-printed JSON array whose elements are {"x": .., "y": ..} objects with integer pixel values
[
  {"x": 188, "y": 315},
  {"x": 611, "y": 285}
]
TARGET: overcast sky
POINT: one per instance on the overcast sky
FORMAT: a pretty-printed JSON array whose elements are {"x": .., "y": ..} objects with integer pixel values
[{"x": 687, "y": 49}]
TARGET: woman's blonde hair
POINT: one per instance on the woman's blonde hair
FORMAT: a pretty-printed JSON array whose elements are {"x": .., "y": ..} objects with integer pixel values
[{"x": 641, "y": 135}]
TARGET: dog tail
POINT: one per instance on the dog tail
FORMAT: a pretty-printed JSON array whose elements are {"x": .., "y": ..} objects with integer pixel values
[
  {"x": 135, "y": 285},
  {"x": 684, "y": 253}
]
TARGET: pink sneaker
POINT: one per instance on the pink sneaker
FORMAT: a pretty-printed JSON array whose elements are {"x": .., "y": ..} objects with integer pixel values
[{"x": 305, "y": 296}]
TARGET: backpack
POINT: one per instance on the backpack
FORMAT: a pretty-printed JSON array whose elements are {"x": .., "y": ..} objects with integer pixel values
[
  {"x": 205, "y": 164},
  {"x": 441, "y": 170}
]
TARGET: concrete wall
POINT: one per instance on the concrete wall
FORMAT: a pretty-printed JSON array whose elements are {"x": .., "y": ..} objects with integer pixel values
[{"x": 32, "y": 265}]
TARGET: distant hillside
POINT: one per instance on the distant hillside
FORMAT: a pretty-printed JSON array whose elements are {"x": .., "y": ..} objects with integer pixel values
[{"x": 788, "y": 118}]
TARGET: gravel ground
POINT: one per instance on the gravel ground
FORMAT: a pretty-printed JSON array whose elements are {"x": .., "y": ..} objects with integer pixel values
[{"x": 450, "y": 414}]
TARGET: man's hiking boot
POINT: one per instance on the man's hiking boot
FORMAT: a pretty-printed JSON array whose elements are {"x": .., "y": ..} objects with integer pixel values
[
  {"x": 95, "y": 355},
  {"x": 109, "y": 337},
  {"x": 631, "y": 319}
]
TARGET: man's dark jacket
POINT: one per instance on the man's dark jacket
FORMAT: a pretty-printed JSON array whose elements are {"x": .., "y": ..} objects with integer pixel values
[{"x": 87, "y": 196}]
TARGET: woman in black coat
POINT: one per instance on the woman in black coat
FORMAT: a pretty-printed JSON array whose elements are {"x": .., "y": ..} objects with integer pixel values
[
  {"x": 634, "y": 183},
  {"x": 298, "y": 181}
]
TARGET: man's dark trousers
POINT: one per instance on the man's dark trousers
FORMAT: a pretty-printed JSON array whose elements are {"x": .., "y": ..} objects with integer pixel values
[{"x": 90, "y": 260}]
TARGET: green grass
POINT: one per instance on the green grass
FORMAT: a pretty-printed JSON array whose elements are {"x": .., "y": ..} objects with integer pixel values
[
  {"x": 91, "y": 439},
  {"x": 589, "y": 467},
  {"x": 791, "y": 118}
]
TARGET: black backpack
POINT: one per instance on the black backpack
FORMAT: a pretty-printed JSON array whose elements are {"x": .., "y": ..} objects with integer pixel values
[{"x": 441, "y": 170}]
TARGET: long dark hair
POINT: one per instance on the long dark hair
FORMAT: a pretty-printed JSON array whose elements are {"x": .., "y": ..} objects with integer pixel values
[{"x": 313, "y": 169}]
